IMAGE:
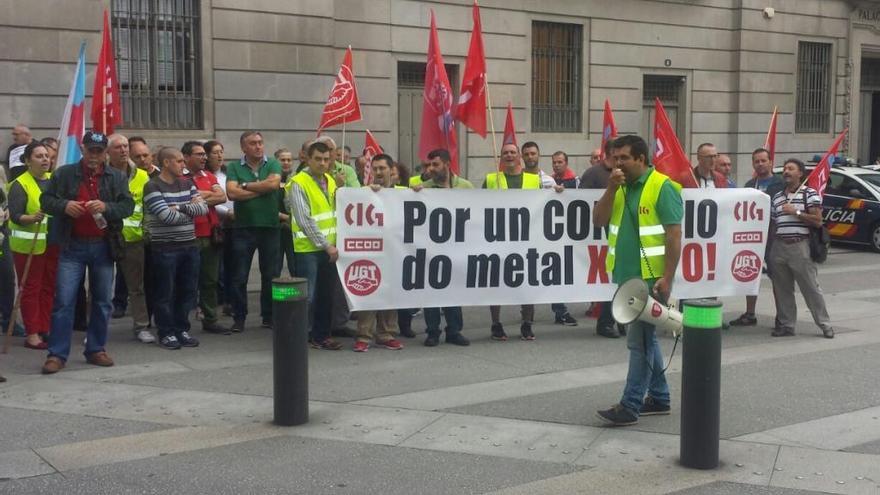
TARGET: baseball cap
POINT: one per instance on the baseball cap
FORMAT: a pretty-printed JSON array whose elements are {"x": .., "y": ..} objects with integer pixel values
[{"x": 93, "y": 139}]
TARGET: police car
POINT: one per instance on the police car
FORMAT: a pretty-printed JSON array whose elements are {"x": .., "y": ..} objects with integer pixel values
[{"x": 851, "y": 206}]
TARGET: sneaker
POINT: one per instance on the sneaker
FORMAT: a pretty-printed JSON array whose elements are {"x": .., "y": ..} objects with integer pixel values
[
  {"x": 186, "y": 340},
  {"x": 407, "y": 332},
  {"x": 617, "y": 416},
  {"x": 170, "y": 342},
  {"x": 237, "y": 326},
  {"x": 782, "y": 332},
  {"x": 525, "y": 331},
  {"x": 144, "y": 336},
  {"x": 607, "y": 331},
  {"x": 432, "y": 340},
  {"x": 266, "y": 324},
  {"x": 214, "y": 327},
  {"x": 653, "y": 408},
  {"x": 745, "y": 320},
  {"x": 566, "y": 320},
  {"x": 360, "y": 346},
  {"x": 118, "y": 313},
  {"x": 457, "y": 339},
  {"x": 498, "y": 332},
  {"x": 392, "y": 344},
  {"x": 828, "y": 333},
  {"x": 99, "y": 358},
  {"x": 327, "y": 344}
]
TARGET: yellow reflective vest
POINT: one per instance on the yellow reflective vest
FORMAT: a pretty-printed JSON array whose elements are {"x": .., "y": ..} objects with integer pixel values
[
  {"x": 415, "y": 180},
  {"x": 322, "y": 210},
  {"x": 652, "y": 235},
  {"x": 497, "y": 180},
  {"x": 132, "y": 227},
  {"x": 22, "y": 236}
]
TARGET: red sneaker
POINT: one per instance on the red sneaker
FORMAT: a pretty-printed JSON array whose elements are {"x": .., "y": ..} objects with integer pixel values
[
  {"x": 360, "y": 346},
  {"x": 392, "y": 344}
]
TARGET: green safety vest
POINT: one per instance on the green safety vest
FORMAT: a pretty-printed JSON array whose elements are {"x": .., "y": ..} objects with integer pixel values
[
  {"x": 652, "y": 235},
  {"x": 530, "y": 181},
  {"x": 323, "y": 212},
  {"x": 132, "y": 227},
  {"x": 22, "y": 236}
]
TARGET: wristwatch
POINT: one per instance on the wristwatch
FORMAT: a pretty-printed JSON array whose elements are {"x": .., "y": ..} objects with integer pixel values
[
  {"x": 244, "y": 185},
  {"x": 798, "y": 213}
]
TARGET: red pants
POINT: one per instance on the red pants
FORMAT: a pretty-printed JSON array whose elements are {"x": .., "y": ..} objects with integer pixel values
[{"x": 38, "y": 292}]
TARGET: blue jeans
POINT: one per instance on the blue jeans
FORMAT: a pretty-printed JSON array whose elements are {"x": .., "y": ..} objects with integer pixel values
[
  {"x": 559, "y": 309},
  {"x": 321, "y": 275},
  {"x": 645, "y": 368},
  {"x": 175, "y": 286},
  {"x": 245, "y": 241},
  {"x": 454, "y": 320},
  {"x": 72, "y": 264}
]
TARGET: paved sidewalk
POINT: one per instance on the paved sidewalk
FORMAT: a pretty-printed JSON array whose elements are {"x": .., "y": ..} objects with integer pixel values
[{"x": 799, "y": 415}]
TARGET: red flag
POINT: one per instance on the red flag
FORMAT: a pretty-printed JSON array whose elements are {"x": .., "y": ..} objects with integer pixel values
[
  {"x": 438, "y": 126},
  {"x": 509, "y": 131},
  {"x": 371, "y": 149},
  {"x": 770, "y": 140},
  {"x": 669, "y": 157},
  {"x": 471, "y": 109},
  {"x": 106, "y": 112},
  {"x": 818, "y": 178},
  {"x": 342, "y": 104},
  {"x": 609, "y": 128}
]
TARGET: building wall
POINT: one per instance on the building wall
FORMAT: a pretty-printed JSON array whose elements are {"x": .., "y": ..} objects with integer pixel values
[{"x": 270, "y": 65}]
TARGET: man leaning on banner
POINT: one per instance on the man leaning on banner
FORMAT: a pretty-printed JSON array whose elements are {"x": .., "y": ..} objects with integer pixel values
[{"x": 643, "y": 210}]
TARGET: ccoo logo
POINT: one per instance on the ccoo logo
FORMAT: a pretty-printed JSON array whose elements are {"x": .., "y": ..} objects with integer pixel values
[
  {"x": 746, "y": 266},
  {"x": 357, "y": 214},
  {"x": 362, "y": 277}
]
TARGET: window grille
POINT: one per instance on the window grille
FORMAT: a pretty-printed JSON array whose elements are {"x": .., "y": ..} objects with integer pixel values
[
  {"x": 813, "y": 100},
  {"x": 557, "y": 70},
  {"x": 158, "y": 60},
  {"x": 870, "y": 73}
]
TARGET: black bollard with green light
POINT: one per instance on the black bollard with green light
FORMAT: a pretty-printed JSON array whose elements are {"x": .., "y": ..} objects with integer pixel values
[
  {"x": 290, "y": 313},
  {"x": 701, "y": 383}
]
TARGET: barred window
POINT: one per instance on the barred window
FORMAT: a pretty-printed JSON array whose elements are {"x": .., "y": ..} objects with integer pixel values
[
  {"x": 813, "y": 100},
  {"x": 670, "y": 90},
  {"x": 557, "y": 69},
  {"x": 158, "y": 58}
]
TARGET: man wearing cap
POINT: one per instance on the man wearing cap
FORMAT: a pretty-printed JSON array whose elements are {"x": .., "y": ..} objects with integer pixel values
[{"x": 85, "y": 200}]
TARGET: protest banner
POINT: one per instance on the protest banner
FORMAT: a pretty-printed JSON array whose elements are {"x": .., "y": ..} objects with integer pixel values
[{"x": 406, "y": 249}]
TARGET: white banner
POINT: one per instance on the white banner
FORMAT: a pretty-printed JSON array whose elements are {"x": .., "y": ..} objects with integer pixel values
[{"x": 453, "y": 247}]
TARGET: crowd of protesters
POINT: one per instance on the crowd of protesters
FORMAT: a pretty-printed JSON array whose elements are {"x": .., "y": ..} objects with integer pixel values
[{"x": 161, "y": 234}]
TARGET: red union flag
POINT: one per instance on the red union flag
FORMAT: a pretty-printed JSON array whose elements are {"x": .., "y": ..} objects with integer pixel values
[
  {"x": 471, "y": 109},
  {"x": 106, "y": 111},
  {"x": 371, "y": 149},
  {"x": 509, "y": 131},
  {"x": 669, "y": 157},
  {"x": 438, "y": 126},
  {"x": 609, "y": 128},
  {"x": 818, "y": 178},
  {"x": 770, "y": 140},
  {"x": 343, "y": 104}
]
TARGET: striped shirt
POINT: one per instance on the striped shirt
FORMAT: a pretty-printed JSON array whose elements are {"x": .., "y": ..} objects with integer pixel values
[
  {"x": 792, "y": 226},
  {"x": 170, "y": 212}
]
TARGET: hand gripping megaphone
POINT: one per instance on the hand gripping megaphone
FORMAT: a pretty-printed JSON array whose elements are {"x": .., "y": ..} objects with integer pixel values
[{"x": 633, "y": 301}]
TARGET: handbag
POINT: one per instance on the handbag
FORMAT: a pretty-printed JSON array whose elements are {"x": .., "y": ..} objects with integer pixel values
[{"x": 820, "y": 240}]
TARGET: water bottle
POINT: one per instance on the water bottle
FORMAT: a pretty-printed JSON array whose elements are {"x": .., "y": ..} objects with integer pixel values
[{"x": 99, "y": 220}]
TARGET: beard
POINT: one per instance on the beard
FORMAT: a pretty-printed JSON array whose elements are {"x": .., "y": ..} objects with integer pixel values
[{"x": 440, "y": 177}]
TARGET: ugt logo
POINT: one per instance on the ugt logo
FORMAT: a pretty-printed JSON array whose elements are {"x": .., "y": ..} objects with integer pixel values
[
  {"x": 362, "y": 277},
  {"x": 358, "y": 215}
]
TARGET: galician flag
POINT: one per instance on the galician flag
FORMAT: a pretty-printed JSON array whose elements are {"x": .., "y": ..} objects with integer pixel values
[{"x": 73, "y": 122}]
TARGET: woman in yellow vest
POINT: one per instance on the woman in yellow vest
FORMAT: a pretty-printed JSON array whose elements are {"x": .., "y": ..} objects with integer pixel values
[{"x": 27, "y": 222}]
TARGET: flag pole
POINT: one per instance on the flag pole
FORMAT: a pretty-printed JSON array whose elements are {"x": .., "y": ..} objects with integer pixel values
[
  {"x": 104, "y": 109},
  {"x": 21, "y": 282},
  {"x": 495, "y": 158}
]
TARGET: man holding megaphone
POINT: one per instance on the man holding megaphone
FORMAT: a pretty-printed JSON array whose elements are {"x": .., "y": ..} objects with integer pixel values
[{"x": 643, "y": 210}]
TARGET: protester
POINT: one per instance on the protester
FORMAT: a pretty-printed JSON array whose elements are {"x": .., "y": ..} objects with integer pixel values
[
  {"x": 385, "y": 321},
  {"x": 531, "y": 157},
  {"x": 28, "y": 229},
  {"x": 225, "y": 215},
  {"x": 172, "y": 203},
  {"x": 141, "y": 156},
  {"x": 252, "y": 183},
  {"x": 440, "y": 176},
  {"x": 634, "y": 186},
  {"x": 21, "y": 137},
  {"x": 705, "y": 173},
  {"x": 51, "y": 145},
  {"x": 313, "y": 220},
  {"x": 130, "y": 270},
  {"x": 512, "y": 177},
  {"x": 724, "y": 166},
  {"x": 285, "y": 157},
  {"x": 796, "y": 209},
  {"x": 208, "y": 237},
  {"x": 765, "y": 181},
  {"x": 85, "y": 200}
]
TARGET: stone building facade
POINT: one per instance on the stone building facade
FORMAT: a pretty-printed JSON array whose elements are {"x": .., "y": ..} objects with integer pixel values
[{"x": 212, "y": 68}]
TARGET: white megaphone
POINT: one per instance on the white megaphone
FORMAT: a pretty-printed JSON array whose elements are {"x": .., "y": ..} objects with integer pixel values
[{"x": 633, "y": 301}]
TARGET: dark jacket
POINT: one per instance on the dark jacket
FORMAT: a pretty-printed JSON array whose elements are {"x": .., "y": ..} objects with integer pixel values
[
  {"x": 64, "y": 186},
  {"x": 775, "y": 185}
]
